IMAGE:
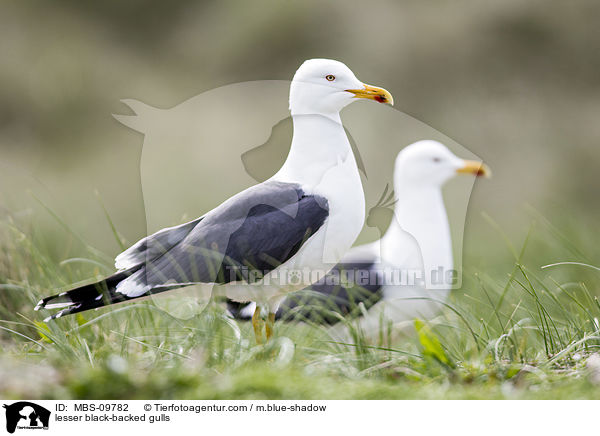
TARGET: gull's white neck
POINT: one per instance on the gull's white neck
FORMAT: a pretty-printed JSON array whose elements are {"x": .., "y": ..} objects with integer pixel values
[
  {"x": 319, "y": 143},
  {"x": 420, "y": 212}
]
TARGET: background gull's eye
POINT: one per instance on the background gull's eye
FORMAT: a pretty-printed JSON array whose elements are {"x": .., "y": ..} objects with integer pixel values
[
  {"x": 437, "y": 159},
  {"x": 330, "y": 77}
]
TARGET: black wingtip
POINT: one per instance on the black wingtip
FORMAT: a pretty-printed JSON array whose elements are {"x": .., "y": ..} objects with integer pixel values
[{"x": 85, "y": 297}]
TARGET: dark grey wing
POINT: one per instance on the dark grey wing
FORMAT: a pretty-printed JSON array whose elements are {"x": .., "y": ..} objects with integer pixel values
[
  {"x": 337, "y": 294},
  {"x": 154, "y": 245},
  {"x": 340, "y": 292},
  {"x": 249, "y": 235}
]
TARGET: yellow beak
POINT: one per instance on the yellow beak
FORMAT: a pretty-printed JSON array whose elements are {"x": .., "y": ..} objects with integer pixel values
[
  {"x": 475, "y": 168},
  {"x": 374, "y": 93}
]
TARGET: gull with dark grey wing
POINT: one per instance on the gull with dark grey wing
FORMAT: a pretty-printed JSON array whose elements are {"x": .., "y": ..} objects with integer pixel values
[{"x": 305, "y": 216}]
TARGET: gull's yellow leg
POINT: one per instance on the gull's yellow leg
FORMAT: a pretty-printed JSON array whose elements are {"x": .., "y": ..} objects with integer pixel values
[
  {"x": 269, "y": 326},
  {"x": 257, "y": 323}
]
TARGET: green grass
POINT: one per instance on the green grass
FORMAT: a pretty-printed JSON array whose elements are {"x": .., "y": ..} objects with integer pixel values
[{"x": 515, "y": 330}]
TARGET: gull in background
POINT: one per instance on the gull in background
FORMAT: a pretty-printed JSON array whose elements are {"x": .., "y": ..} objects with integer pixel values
[
  {"x": 409, "y": 271},
  {"x": 304, "y": 217}
]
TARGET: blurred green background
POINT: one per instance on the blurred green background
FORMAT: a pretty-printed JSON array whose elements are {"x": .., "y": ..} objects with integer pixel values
[{"x": 515, "y": 82}]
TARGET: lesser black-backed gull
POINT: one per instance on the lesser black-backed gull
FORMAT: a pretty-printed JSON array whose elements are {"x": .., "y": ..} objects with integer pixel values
[{"x": 306, "y": 216}]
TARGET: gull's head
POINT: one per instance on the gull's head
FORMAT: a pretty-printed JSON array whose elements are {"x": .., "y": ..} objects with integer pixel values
[
  {"x": 430, "y": 163},
  {"x": 325, "y": 87}
]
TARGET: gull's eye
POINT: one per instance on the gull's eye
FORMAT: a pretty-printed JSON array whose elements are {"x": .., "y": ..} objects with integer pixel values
[
  {"x": 437, "y": 160},
  {"x": 330, "y": 77}
]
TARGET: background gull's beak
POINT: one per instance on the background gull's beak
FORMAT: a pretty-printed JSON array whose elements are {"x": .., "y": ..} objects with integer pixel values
[
  {"x": 374, "y": 93},
  {"x": 475, "y": 168}
]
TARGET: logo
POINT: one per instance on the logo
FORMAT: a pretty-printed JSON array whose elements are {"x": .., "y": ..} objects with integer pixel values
[
  {"x": 251, "y": 121},
  {"x": 26, "y": 415}
]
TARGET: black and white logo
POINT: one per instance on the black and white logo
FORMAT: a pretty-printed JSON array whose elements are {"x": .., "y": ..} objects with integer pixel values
[{"x": 26, "y": 415}]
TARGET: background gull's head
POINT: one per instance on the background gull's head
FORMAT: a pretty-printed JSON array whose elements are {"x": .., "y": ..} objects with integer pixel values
[{"x": 431, "y": 163}]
